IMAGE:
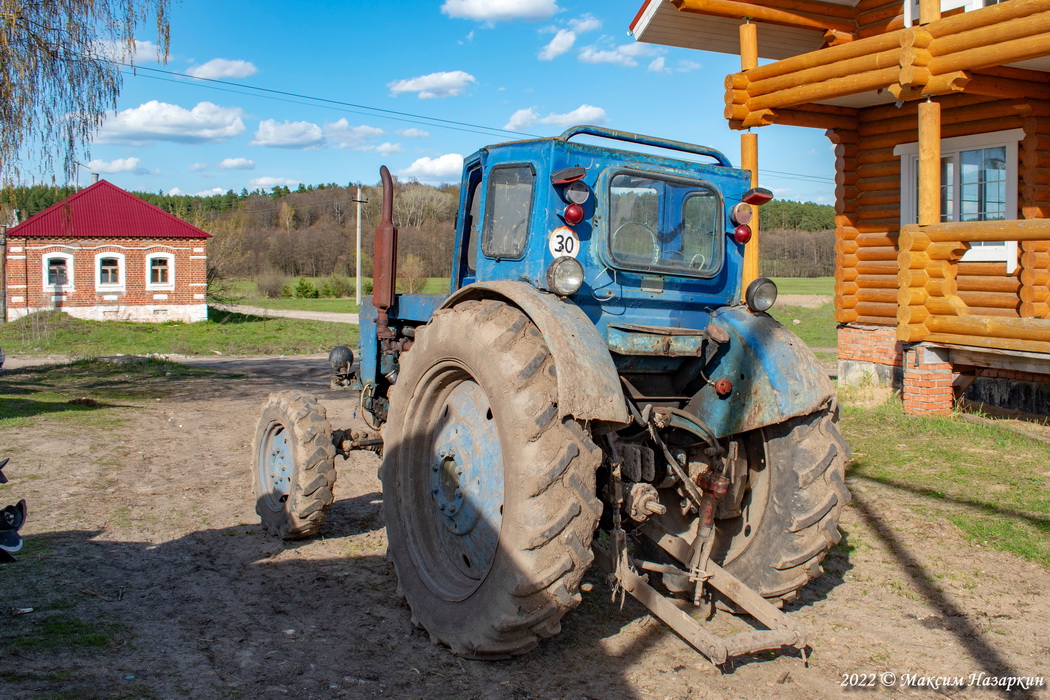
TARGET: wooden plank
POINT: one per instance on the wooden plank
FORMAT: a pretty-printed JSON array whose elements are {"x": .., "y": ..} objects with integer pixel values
[{"x": 765, "y": 13}]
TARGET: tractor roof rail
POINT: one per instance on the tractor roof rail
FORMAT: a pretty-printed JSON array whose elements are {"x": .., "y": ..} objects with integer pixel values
[{"x": 645, "y": 141}]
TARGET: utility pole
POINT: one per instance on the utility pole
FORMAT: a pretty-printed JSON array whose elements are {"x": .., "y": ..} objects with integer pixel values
[{"x": 357, "y": 277}]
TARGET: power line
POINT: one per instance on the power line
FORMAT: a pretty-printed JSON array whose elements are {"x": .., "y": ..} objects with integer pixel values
[{"x": 365, "y": 110}]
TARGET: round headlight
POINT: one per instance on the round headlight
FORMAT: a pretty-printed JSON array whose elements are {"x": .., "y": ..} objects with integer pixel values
[
  {"x": 761, "y": 294},
  {"x": 565, "y": 276}
]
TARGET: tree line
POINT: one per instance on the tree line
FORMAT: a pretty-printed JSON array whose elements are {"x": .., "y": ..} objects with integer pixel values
[{"x": 311, "y": 230}]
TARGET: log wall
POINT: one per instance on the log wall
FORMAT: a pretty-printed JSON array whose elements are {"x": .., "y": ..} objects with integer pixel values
[{"x": 868, "y": 179}]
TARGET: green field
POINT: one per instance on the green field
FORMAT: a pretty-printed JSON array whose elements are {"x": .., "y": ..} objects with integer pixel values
[
  {"x": 946, "y": 468},
  {"x": 801, "y": 285},
  {"x": 224, "y": 333}
]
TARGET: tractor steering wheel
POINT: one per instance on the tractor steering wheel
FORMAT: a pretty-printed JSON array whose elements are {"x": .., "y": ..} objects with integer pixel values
[{"x": 652, "y": 235}]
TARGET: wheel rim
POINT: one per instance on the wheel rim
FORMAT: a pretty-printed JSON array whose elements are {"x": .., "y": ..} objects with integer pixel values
[
  {"x": 275, "y": 464},
  {"x": 452, "y": 483},
  {"x": 735, "y": 535}
]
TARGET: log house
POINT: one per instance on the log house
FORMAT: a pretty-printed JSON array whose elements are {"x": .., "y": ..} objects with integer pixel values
[{"x": 939, "y": 113}]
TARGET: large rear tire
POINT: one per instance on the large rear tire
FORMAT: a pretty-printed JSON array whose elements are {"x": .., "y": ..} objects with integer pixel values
[
  {"x": 488, "y": 496},
  {"x": 790, "y": 513},
  {"x": 294, "y": 465}
]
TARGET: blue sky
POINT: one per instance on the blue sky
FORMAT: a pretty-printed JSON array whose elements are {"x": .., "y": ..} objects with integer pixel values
[{"x": 482, "y": 66}]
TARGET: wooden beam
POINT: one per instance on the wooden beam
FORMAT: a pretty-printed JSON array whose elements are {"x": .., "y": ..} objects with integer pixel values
[
  {"x": 929, "y": 162},
  {"x": 766, "y": 12},
  {"x": 929, "y": 11},
  {"x": 749, "y": 161}
]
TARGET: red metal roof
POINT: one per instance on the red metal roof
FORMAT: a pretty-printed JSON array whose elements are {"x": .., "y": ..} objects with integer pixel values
[{"x": 103, "y": 210}]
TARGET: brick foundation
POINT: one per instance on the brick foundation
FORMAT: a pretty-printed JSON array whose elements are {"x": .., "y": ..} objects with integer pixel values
[{"x": 928, "y": 387}]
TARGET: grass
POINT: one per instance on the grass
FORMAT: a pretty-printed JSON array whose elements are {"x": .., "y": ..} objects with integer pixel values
[
  {"x": 225, "y": 333},
  {"x": 988, "y": 481},
  {"x": 806, "y": 285},
  {"x": 76, "y": 392},
  {"x": 816, "y": 327},
  {"x": 245, "y": 292},
  {"x": 65, "y": 632}
]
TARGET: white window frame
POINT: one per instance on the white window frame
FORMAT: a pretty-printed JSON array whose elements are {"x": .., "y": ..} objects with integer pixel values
[
  {"x": 170, "y": 284},
  {"x": 70, "y": 285},
  {"x": 121, "y": 274},
  {"x": 909, "y": 155}
]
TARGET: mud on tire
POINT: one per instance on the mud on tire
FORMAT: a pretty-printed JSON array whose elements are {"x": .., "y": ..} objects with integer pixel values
[
  {"x": 488, "y": 495},
  {"x": 293, "y": 472},
  {"x": 805, "y": 462}
]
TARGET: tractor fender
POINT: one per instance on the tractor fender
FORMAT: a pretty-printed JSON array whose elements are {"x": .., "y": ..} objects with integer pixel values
[
  {"x": 774, "y": 375},
  {"x": 588, "y": 384}
]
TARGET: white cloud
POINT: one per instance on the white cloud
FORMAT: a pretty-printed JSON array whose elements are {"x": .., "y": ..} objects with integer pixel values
[
  {"x": 445, "y": 84},
  {"x": 491, "y": 11},
  {"x": 413, "y": 133},
  {"x": 624, "y": 55},
  {"x": 237, "y": 164},
  {"x": 584, "y": 114},
  {"x": 353, "y": 137},
  {"x": 142, "y": 52},
  {"x": 302, "y": 135},
  {"x": 160, "y": 121},
  {"x": 211, "y": 193},
  {"x": 120, "y": 165},
  {"x": 267, "y": 182},
  {"x": 564, "y": 39},
  {"x": 388, "y": 148},
  {"x": 223, "y": 68},
  {"x": 175, "y": 192},
  {"x": 561, "y": 43},
  {"x": 659, "y": 65},
  {"x": 444, "y": 168},
  {"x": 198, "y": 167},
  {"x": 685, "y": 66}
]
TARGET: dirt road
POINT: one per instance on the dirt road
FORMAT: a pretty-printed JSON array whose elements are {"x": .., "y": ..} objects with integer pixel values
[{"x": 149, "y": 577}]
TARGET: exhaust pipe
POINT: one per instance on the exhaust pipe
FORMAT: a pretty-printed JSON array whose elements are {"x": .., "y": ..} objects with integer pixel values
[{"x": 384, "y": 273}]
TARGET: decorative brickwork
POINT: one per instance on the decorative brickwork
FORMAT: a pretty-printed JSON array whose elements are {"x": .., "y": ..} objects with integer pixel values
[{"x": 928, "y": 382}]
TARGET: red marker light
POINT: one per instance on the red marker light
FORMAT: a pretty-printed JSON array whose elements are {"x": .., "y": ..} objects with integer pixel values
[
  {"x": 573, "y": 214},
  {"x": 723, "y": 387},
  {"x": 742, "y": 234}
]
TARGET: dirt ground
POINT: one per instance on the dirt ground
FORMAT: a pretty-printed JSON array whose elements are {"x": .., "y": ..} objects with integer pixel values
[{"x": 145, "y": 554}]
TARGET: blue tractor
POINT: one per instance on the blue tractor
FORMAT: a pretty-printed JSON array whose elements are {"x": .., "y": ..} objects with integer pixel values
[{"x": 590, "y": 387}]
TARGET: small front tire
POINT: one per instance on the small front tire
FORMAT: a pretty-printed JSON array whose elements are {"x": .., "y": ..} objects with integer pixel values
[{"x": 294, "y": 465}]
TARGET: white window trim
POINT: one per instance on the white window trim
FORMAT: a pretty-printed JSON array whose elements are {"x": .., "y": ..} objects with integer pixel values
[
  {"x": 909, "y": 153},
  {"x": 170, "y": 284},
  {"x": 121, "y": 274},
  {"x": 70, "y": 286}
]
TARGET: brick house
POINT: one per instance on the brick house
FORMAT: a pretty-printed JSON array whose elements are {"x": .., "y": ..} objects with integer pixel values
[
  {"x": 939, "y": 114},
  {"x": 103, "y": 254}
]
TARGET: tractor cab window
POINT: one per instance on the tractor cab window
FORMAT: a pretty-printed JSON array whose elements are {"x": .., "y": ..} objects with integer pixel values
[
  {"x": 473, "y": 224},
  {"x": 507, "y": 210},
  {"x": 665, "y": 225}
]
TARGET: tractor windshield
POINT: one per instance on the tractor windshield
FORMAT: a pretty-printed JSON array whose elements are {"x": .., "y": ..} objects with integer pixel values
[{"x": 666, "y": 225}]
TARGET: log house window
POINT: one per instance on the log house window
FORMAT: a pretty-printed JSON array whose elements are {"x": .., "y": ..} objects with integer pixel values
[
  {"x": 58, "y": 272},
  {"x": 978, "y": 183},
  {"x": 109, "y": 272}
]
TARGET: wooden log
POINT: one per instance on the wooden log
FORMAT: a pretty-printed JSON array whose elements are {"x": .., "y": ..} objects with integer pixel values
[
  {"x": 748, "y": 46},
  {"x": 998, "y": 54},
  {"x": 912, "y": 315},
  {"x": 736, "y": 81},
  {"x": 847, "y": 247},
  {"x": 877, "y": 267},
  {"x": 929, "y": 162},
  {"x": 996, "y": 300},
  {"x": 878, "y": 212},
  {"x": 992, "y": 15},
  {"x": 835, "y": 87},
  {"x": 877, "y": 253},
  {"x": 737, "y": 97},
  {"x": 827, "y": 71},
  {"x": 872, "y": 225},
  {"x": 846, "y": 232},
  {"x": 882, "y": 311},
  {"x": 990, "y": 311},
  {"x": 833, "y": 54},
  {"x": 814, "y": 120},
  {"x": 833, "y": 37},
  {"x": 929, "y": 11},
  {"x": 1012, "y": 73},
  {"x": 1006, "y": 88},
  {"x": 764, "y": 13},
  {"x": 875, "y": 15},
  {"x": 991, "y": 34},
  {"x": 989, "y": 342},
  {"x": 1030, "y": 329},
  {"x": 877, "y": 282},
  {"x": 876, "y": 156},
  {"x": 880, "y": 28},
  {"x": 945, "y": 307},
  {"x": 1035, "y": 193},
  {"x": 1036, "y": 176},
  {"x": 876, "y": 239},
  {"x": 846, "y": 178},
  {"x": 847, "y": 148},
  {"x": 1009, "y": 230},
  {"x": 844, "y": 275},
  {"x": 988, "y": 283},
  {"x": 956, "y": 81},
  {"x": 879, "y": 184},
  {"x": 749, "y": 161},
  {"x": 881, "y": 296},
  {"x": 976, "y": 269},
  {"x": 874, "y": 171},
  {"x": 1033, "y": 159},
  {"x": 845, "y": 315}
]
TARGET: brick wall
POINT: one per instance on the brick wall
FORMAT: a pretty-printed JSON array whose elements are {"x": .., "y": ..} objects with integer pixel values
[
  {"x": 133, "y": 297},
  {"x": 876, "y": 344}
]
